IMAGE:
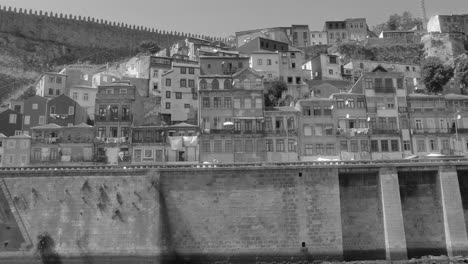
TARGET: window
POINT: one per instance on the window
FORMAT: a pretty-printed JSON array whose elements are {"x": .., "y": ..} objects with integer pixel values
[
  {"x": 400, "y": 83},
  {"x": 191, "y": 70},
  {"x": 406, "y": 145},
  {"x": 85, "y": 97},
  {"x": 18, "y": 132},
  {"x": 41, "y": 120},
  {"x": 344, "y": 145},
  {"x": 258, "y": 126},
  {"x": 237, "y": 145},
  {"x": 218, "y": 146},
  {"x": 168, "y": 82},
  {"x": 102, "y": 132},
  {"x": 361, "y": 103},
  {"x": 51, "y": 79},
  {"x": 27, "y": 120},
  {"x": 123, "y": 91},
  {"x": 71, "y": 110},
  {"x": 183, "y": 83},
  {"x": 51, "y": 91},
  {"x": 227, "y": 102},
  {"x": 280, "y": 145},
  {"x": 330, "y": 149},
  {"x": 259, "y": 62},
  {"x": 332, "y": 60},
  {"x": 110, "y": 91},
  {"x": 12, "y": 119},
  {"x": 306, "y": 111},
  {"x": 269, "y": 145},
  {"x": 168, "y": 94},
  {"x": 228, "y": 146},
  {"x": 248, "y": 103},
  {"x": 394, "y": 145},
  {"x": 390, "y": 103},
  {"x": 35, "y": 106},
  {"x": 168, "y": 105},
  {"x": 178, "y": 95},
  {"x": 191, "y": 83},
  {"x": 215, "y": 84},
  {"x": 340, "y": 103},
  {"x": 319, "y": 149},
  {"x": 364, "y": 145},
  {"x": 148, "y": 154},
  {"x": 248, "y": 145},
  {"x": 206, "y": 146},
  {"x": 57, "y": 92},
  {"x": 206, "y": 102},
  {"x": 268, "y": 62},
  {"x": 419, "y": 126},
  {"x": 350, "y": 103},
  {"x": 183, "y": 70},
  {"x": 203, "y": 84},
  {"x": 331, "y": 35},
  {"x": 353, "y": 145},
  {"x": 309, "y": 150},
  {"x": 237, "y": 125},
  {"x": 374, "y": 145},
  {"x": 293, "y": 65},
  {"x": 290, "y": 80},
  {"x": 392, "y": 122},
  {"x": 307, "y": 130},
  {"x": 317, "y": 111},
  {"x": 369, "y": 83},
  {"x": 433, "y": 144},
  {"x": 258, "y": 103},
  {"x": 330, "y": 71},
  {"x": 421, "y": 145},
  {"x": 75, "y": 96},
  {"x": 384, "y": 145}
]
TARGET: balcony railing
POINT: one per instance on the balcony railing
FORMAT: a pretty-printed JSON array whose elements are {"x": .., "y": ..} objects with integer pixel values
[
  {"x": 351, "y": 132},
  {"x": 432, "y": 131},
  {"x": 384, "y": 90},
  {"x": 384, "y": 131},
  {"x": 50, "y": 140},
  {"x": 111, "y": 140},
  {"x": 113, "y": 118},
  {"x": 148, "y": 140}
]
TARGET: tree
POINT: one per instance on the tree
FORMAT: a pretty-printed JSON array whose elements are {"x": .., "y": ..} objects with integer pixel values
[
  {"x": 31, "y": 91},
  {"x": 435, "y": 74},
  {"x": 148, "y": 46},
  {"x": 274, "y": 93},
  {"x": 461, "y": 71},
  {"x": 405, "y": 21}
]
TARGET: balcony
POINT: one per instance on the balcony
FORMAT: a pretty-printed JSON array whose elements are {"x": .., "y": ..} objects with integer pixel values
[
  {"x": 148, "y": 140},
  {"x": 351, "y": 132},
  {"x": 384, "y": 131},
  {"x": 50, "y": 140},
  {"x": 111, "y": 140},
  {"x": 402, "y": 109},
  {"x": 125, "y": 118},
  {"x": 460, "y": 130},
  {"x": 433, "y": 131},
  {"x": 385, "y": 90},
  {"x": 283, "y": 132}
]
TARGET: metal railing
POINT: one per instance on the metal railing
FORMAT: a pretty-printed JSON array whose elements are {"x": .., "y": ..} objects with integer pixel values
[{"x": 450, "y": 161}]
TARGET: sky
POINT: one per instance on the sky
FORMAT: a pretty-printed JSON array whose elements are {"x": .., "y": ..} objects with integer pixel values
[{"x": 222, "y": 18}]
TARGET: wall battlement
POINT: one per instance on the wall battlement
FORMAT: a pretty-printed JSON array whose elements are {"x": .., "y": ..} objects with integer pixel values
[{"x": 83, "y": 31}]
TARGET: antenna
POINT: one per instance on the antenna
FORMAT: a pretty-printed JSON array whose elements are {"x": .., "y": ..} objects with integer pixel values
[{"x": 423, "y": 9}]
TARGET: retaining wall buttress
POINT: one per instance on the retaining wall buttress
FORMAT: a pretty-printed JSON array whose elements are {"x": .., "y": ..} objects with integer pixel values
[
  {"x": 454, "y": 219},
  {"x": 395, "y": 241}
]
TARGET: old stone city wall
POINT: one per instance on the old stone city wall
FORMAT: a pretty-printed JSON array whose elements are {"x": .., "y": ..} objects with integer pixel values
[
  {"x": 213, "y": 215},
  {"x": 82, "y": 31}
]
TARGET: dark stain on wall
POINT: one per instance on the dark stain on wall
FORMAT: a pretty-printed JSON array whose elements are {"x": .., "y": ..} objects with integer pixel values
[{"x": 422, "y": 213}]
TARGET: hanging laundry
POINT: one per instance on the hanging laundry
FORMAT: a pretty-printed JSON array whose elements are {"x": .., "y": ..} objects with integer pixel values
[
  {"x": 176, "y": 143},
  {"x": 190, "y": 141}
]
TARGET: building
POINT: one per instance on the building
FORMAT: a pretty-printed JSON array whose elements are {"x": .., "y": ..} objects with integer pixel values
[
  {"x": 385, "y": 98},
  {"x": 114, "y": 113},
  {"x": 281, "y": 34},
  {"x": 431, "y": 125},
  {"x": 351, "y": 29},
  {"x": 457, "y": 114},
  {"x": 352, "y": 126},
  {"x": 2, "y": 146},
  {"x": 324, "y": 67},
  {"x": 411, "y": 72},
  {"x": 11, "y": 123},
  {"x": 292, "y": 73},
  {"x": 266, "y": 63},
  {"x": 64, "y": 111},
  {"x": 16, "y": 151},
  {"x": 51, "y": 84},
  {"x": 231, "y": 111},
  {"x": 85, "y": 96},
  {"x": 102, "y": 78},
  {"x": 318, "y": 38},
  {"x": 148, "y": 145},
  {"x": 448, "y": 24},
  {"x": 282, "y": 137},
  {"x": 317, "y": 129},
  {"x": 300, "y": 36},
  {"x": 182, "y": 143},
  {"x": 263, "y": 44},
  {"x": 396, "y": 34},
  {"x": 56, "y": 144},
  {"x": 34, "y": 110}
]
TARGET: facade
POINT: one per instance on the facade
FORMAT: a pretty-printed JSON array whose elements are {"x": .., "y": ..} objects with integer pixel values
[
  {"x": 324, "y": 67},
  {"x": 2, "y": 146},
  {"x": 385, "y": 95},
  {"x": 411, "y": 72},
  {"x": 11, "y": 123},
  {"x": 102, "y": 78},
  {"x": 282, "y": 137},
  {"x": 16, "y": 151},
  {"x": 448, "y": 24},
  {"x": 318, "y": 38},
  {"x": 317, "y": 129},
  {"x": 281, "y": 34},
  {"x": 115, "y": 104},
  {"x": 56, "y": 144},
  {"x": 292, "y": 73},
  {"x": 351, "y": 29},
  {"x": 51, "y": 84},
  {"x": 64, "y": 111},
  {"x": 231, "y": 113},
  {"x": 85, "y": 96},
  {"x": 457, "y": 115},
  {"x": 149, "y": 145},
  {"x": 300, "y": 36},
  {"x": 34, "y": 110},
  {"x": 396, "y": 34},
  {"x": 266, "y": 63},
  {"x": 263, "y": 44},
  {"x": 182, "y": 143}
]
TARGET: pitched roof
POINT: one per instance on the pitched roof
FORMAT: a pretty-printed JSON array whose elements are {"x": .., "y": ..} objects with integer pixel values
[
  {"x": 254, "y": 72},
  {"x": 2, "y": 135},
  {"x": 20, "y": 136},
  {"x": 48, "y": 126},
  {"x": 183, "y": 124}
]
